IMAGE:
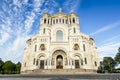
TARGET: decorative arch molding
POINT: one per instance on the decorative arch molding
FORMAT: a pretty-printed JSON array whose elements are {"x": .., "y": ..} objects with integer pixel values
[
  {"x": 41, "y": 55},
  {"x": 59, "y": 48},
  {"x": 62, "y": 29},
  {"x": 78, "y": 54}
]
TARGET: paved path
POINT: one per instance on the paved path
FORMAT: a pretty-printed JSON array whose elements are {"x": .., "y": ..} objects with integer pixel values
[{"x": 62, "y": 77}]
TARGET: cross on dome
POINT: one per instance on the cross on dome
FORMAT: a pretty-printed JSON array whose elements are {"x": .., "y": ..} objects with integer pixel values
[{"x": 60, "y": 10}]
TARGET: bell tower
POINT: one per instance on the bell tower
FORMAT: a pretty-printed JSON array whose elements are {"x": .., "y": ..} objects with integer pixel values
[{"x": 45, "y": 23}]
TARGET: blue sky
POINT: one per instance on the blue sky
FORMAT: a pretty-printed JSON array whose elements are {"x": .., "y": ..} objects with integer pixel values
[{"x": 19, "y": 20}]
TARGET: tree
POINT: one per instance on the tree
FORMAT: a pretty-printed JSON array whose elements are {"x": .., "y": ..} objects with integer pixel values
[
  {"x": 18, "y": 66},
  {"x": 117, "y": 57},
  {"x": 9, "y": 67},
  {"x": 109, "y": 63},
  {"x": 1, "y": 65}
]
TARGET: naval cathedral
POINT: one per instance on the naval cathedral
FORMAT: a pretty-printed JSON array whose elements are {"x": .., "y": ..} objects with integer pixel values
[{"x": 60, "y": 45}]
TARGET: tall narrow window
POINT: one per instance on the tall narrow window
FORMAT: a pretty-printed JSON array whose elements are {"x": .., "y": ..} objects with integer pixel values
[
  {"x": 73, "y": 20},
  {"x": 56, "y": 20},
  {"x": 66, "y": 21},
  {"x": 81, "y": 62},
  {"x": 34, "y": 61},
  {"x": 53, "y": 21},
  {"x": 60, "y": 20},
  {"x": 74, "y": 30},
  {"x": 44, "y": 31},
  {"x": 59, "y": 35},
  {"x": 25, "y": 64},
  {"x": 37, "y": 62},
  {"x": 70, "y": 21},
  {"x": 63, "y": 20},
  {"x": 85, "y": 60},
  {"x": 84, "y": 47},
  {"x": 95, "y": 63},
  {"x": 35, "y": 48},
  {"x": 45, "y": 20},
  {"x": 48, "y": 21}
]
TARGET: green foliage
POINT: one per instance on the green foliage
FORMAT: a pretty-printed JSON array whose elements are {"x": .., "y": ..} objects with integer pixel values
[
  {"x": 117, "y": 57},
  {"x": 1, "y": 65},
  {"x": 109, "y": 63},
  {"x": 9, "y": 67}
]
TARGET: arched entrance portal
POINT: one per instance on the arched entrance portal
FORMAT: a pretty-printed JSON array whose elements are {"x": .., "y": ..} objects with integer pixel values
[
  {"x": 59, "y": 62},
  {"x": 58, "y": 59}
]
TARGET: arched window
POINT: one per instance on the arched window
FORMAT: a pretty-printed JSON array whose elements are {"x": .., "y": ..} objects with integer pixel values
[
  {"x": 70, "y": 21},
  {"x": 73, "y": 20},
  {"x": 74, "y": 30},
  {"x": 59, "y": 35},
  {"x": 25, "y": 64},
  {"x": 84, "y": 47},
  {"x": 44, "y": 31},
  {"x": 85, "y": 60},
  {"x": 45, "y": 20},
  {"x": 37, "y": 62},
  {"x": 63, "y": 20},
  {"x": 34, "y": 61},
  {"x": 35, "y": 48},
  {"x": 48, "y": 21},
  {"x": 59, "y": 20},
  {"x": 95, "y": 63},
  {"x": 56, "y": 20},
  {"x": 53, "y": 21}
]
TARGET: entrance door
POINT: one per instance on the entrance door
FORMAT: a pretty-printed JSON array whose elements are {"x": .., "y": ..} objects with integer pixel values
[
  {"x": 77, "y": 65},
  {"x": 59, "y": 62},
  {"x": 41, "y": 64}
]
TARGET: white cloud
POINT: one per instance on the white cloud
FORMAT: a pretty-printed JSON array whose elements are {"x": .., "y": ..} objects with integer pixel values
[
  {"x": 106, "y": 28},
  {"x": 15, "y": 26},
  {"x": 72, "y": 5},
  {"x": 108, "y": 49},
  {"x": 4, "y": 37}
]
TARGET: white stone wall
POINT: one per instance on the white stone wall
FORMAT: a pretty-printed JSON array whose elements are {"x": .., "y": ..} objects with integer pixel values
[{"x": 71, "y": 36}]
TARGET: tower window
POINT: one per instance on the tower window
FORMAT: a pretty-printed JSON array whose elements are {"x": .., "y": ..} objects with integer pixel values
[
  {"x": 53, "y": 21},
  {"x": 60, "y": 20},
  {"x": 70, "y": 21},
  {"x": 45, "y": 20},
  {"x": 35, "y": 48},
  {"x": 56, "y": 20},
  {"x": 85, "y": 61},
  {"x": 59, "y": 35},
  {"x": 74, "y": 30},
  {"x": 84, "y": 47},
  {"x": 48, "y": 21},
  {"x": 44, "y": 31},
  {"x": 63, "y": 20},
  {"x": 73, "y": 20}
]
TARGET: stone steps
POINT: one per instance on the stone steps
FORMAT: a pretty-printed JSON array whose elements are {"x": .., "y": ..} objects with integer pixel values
[{"x": 60, "y": 71}]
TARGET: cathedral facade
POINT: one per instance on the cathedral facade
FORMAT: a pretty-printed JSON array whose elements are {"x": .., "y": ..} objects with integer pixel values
[{"x": 60, "y": 45}]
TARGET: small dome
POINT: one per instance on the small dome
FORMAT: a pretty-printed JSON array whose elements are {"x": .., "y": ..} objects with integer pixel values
[
  {"x": 59, "y": 15},
  {"x": 46, "y": 15},
  {"x": 72, "y": 14}
]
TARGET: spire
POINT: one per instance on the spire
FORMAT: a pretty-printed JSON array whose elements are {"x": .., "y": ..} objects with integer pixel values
[{"x": 60, "y": 10}]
